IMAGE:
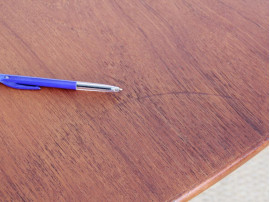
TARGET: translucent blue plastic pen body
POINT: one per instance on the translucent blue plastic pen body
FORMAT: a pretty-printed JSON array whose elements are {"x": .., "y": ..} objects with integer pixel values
[{"x": 34, "y": 83}]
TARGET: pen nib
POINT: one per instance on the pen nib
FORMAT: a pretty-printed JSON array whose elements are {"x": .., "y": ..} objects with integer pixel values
[{"x": 116, "y": 89}]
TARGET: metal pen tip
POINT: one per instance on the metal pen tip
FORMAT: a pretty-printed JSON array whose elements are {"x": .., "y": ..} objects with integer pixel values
[{"x": 116, "y": 89}]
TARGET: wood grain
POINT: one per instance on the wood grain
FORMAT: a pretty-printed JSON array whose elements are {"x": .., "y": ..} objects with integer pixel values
[{"x": 194, "y": 105}]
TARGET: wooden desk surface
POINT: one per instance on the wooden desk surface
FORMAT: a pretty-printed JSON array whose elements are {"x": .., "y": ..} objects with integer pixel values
[{"x": 194, "y": 105}]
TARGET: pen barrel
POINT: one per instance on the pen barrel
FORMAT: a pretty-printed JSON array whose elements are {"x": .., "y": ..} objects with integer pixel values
[
  {"x": 43, "y": 82},
  {"x": 86, "y": 86}
]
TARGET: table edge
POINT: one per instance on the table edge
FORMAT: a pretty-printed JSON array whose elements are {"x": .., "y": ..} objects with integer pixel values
[{"x": 223, "y": 173}]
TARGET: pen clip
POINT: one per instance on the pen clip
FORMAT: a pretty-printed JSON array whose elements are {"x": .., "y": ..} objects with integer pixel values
[{"x": 20, "y": 86}]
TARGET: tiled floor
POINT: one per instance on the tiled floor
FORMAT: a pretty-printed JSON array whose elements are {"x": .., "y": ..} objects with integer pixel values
[{"x": 250, "y": 182}]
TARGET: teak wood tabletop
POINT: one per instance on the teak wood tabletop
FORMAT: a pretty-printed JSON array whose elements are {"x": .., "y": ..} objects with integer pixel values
[{"x": 194, "y": 104}]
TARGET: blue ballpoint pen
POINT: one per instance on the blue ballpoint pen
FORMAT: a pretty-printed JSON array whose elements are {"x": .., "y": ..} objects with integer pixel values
[{"x": 34, "y": 83}]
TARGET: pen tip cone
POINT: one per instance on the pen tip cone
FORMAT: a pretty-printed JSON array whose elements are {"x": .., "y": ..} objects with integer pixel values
[{"x": 116, "y": 89}]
